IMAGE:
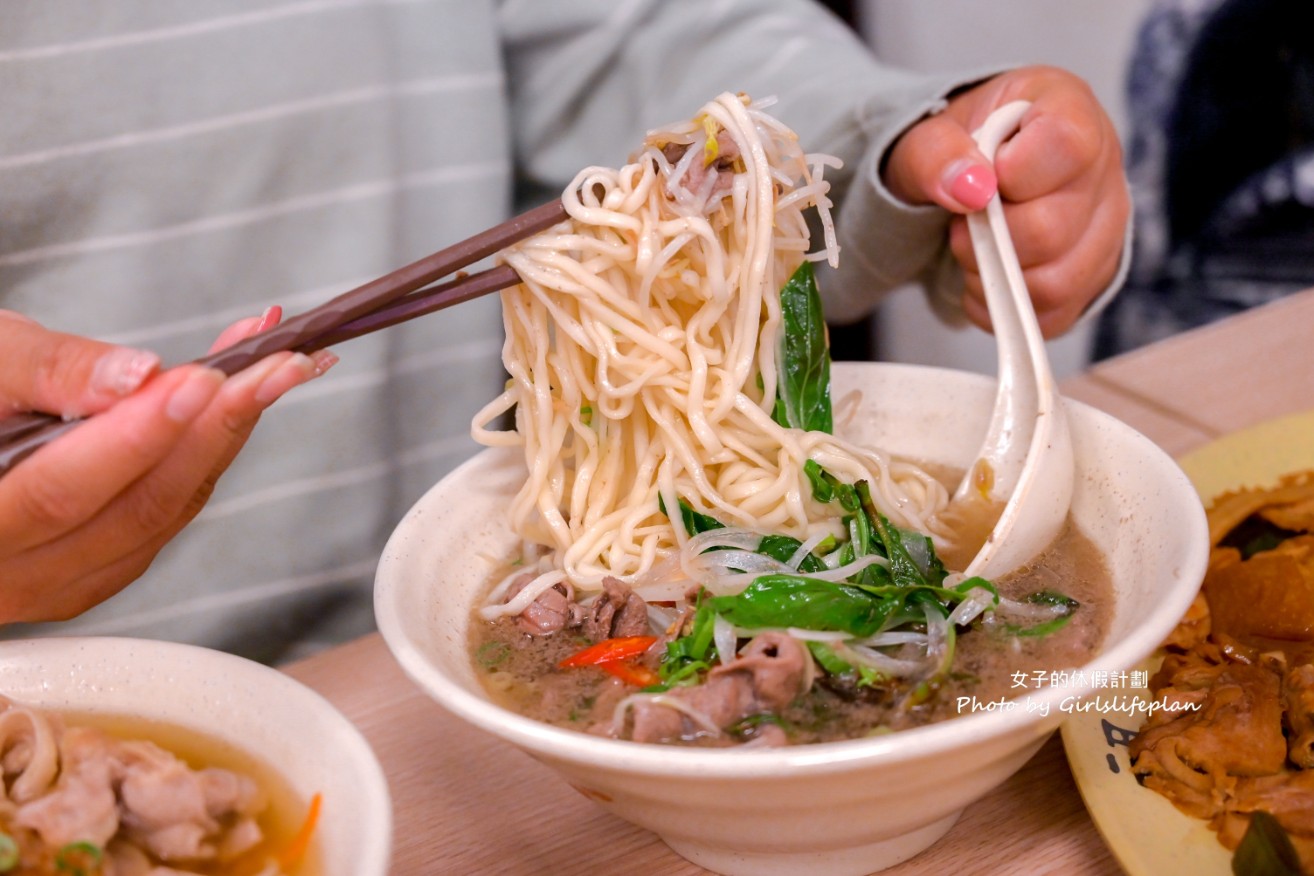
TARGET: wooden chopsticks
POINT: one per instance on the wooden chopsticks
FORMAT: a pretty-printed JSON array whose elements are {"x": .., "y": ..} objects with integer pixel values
[{"x": 396, "y": 297}]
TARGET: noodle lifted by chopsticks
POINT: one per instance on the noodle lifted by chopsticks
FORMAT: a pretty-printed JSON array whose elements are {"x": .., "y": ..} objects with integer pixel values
[{"x": 643, "y": 351}]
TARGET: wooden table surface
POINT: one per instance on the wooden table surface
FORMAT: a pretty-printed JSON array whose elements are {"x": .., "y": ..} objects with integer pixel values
[{"x": 465, "y": 803}]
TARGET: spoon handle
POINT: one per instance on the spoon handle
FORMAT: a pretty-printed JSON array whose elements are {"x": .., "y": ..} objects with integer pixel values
[{"x": 1025, "y": 458}]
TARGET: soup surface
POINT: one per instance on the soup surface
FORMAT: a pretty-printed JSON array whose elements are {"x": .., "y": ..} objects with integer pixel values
[
  {"x": 135, "y": 777},
  {"x": 993, "y": 660}
]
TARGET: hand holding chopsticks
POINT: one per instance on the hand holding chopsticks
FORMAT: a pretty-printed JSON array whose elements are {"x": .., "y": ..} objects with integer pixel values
[
  {"x": 84, "y": 517},
  {"x": 391, "y": 299}
]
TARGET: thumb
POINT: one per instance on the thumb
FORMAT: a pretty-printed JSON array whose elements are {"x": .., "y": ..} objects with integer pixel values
[
  {"x": 65, "y": 374},
  {"x": 937, "y": 162}
]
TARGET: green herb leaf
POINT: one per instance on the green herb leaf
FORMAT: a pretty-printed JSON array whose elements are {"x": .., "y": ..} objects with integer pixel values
[
  {"x": 691, "y": 653},
  {"x": 822, "y": 488},
  {"x": 967, "y": 585},
  {"x": 1265, "y": 850},
  {"x": 783, "y": 547},
  {"x": 809, "y": 603},
  {"x": 10, "y": 856},
  {"x": 803, "y": 388},
  {"x": 80, "y": 858},
  {"x": 492, "y": 654},
  {"x": 1045, "y": 628},
  {"x": 836, "y": 665},
  {"x": 694, "y": 521}
]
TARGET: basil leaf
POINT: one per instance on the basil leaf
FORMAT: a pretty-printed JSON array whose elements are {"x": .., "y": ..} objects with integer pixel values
[
  {"x": 822, "y": 489},
  {"x": 904, "y": 571},
  {"x": 809, "y": 603},
  {"x": 1040, "y": 630},
  {"x": 848, "y": 497},
  {"x": 689, "y": 654},
  {"x": 803, "y": 386},
  {"x": 694, "y": 521},
  {"x": 1044, "y": 628},
  {"x": 1054, "y": 598},
  {"x": 913, "y": 561},
  {"x": 783, "y": 547},
  {"x": 836, "y": 665}
]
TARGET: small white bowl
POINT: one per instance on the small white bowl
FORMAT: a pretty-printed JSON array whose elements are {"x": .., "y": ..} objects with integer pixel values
[
  {"x": 251, "y": 707},
  {"x": 840, "y": 808}
]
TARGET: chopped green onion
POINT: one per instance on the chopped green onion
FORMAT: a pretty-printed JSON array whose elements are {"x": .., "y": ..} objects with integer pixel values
[
  {"x": 491, "y": 654},
  {"x": 79, "y": 858}
]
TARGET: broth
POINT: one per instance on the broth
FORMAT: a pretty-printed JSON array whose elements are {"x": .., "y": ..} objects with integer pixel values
[
  {"x": 279, "y": 822},
  {"x": 520, "y": 671}
]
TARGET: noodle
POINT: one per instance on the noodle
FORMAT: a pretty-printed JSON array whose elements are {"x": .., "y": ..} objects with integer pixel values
[{"x": 643, "y": 347}]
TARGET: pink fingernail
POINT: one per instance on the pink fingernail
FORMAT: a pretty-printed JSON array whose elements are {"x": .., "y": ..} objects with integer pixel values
[
  {"x": 971, "y": 184},
  {"x": 122, "y": 371},
  {"x": 270, "y": 318}
]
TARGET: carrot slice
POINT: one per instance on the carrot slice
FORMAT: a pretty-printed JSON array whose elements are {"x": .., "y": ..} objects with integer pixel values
[{"x": 296, "y": 850}]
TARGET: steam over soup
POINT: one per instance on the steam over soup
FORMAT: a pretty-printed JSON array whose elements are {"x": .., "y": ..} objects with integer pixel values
[
  {"x": 110, "y": 795},
  {"x": 707, "y": 561}
]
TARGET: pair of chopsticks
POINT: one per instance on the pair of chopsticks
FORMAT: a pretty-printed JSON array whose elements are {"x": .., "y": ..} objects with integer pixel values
[{"x": 396, "y": 297}]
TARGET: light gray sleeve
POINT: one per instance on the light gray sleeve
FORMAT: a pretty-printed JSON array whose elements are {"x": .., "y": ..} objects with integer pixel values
[{"x": 588, "y": 77}]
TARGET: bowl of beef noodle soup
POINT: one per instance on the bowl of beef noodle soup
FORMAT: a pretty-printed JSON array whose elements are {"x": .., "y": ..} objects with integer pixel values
[
  {"x": 884, "y": 791},
  {"x": 128, "y": 757},
  {"x": 714, "y": 580}
]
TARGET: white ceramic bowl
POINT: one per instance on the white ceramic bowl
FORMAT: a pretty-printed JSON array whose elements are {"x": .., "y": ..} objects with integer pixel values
[
  {"x": 838, "y": 808},
  {"x": 249, "y": 706}
]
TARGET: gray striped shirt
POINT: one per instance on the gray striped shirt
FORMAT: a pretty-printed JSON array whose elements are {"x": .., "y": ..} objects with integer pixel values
[{"x": 167, "y": 168}]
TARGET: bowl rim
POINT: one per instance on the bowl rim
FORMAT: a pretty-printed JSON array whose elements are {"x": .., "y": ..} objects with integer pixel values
[
  {"x": 372, "y": 795},
  {"x": 815, "y": 758}
]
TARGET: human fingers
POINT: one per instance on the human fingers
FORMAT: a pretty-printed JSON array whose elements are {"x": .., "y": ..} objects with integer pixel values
[
  {"x": 66, "y": 482},
  {"x": 1041, "y": 231},
  {"x": 1089, "y": 267},
  {"x": 65, "y": 374},
  {"x": 57, "y": 580},
  {"x": 219, "y": 435},
  {"x": 1048, "y": 228},
  {"x": 88, "y": 562},
  {"x": 1064, "y": 194},
  {"x": 176, "y": 490},
  {"x": 937, "y": 162},
  {"x": 1083, "y": 262},
  {"x": 1065, "y": 140},
  {"x": 1063, "y": 134}
]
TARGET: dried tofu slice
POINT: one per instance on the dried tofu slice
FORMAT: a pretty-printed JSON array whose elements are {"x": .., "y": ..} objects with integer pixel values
[
  {"x": 1270, "y": 595},
  {"x": 1292, "y": 498}
]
